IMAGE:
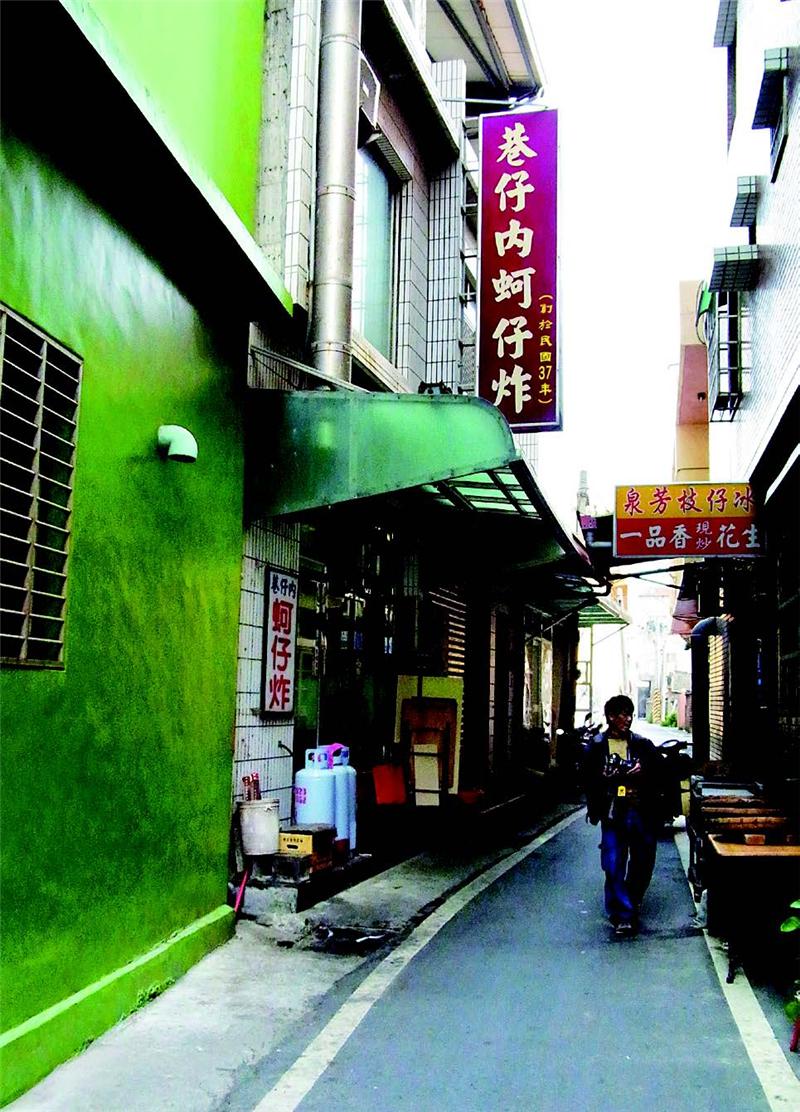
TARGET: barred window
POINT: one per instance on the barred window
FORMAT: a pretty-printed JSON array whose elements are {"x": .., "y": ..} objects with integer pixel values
[{"x": 39, "y": 392}]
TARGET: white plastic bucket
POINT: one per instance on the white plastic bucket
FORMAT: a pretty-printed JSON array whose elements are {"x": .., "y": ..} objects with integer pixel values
[{"x": 259, "y": 820}]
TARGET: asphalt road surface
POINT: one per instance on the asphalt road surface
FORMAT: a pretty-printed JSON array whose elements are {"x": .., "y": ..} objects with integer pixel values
[{"x": 524, "y": 1000}]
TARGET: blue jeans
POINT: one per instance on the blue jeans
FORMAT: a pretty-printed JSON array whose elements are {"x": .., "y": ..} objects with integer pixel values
[{"x": 627, "y": 855}]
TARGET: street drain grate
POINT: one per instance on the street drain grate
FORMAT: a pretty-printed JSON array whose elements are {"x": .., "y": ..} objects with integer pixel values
[{"x": 348, "y": 940}]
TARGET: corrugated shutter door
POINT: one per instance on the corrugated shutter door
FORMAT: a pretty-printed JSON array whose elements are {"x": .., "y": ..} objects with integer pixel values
[
  {"x": 718, "y": 649},
  {"x": 455, "y": 646}
]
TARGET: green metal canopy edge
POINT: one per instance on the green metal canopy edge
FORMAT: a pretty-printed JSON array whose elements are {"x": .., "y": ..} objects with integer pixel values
[
  {"x": 319, "y": 448},
  {"x": 602, "y": 612}
]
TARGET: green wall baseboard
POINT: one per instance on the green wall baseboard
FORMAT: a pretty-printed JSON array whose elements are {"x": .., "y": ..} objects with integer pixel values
[{"x": 30, "y": 1051}]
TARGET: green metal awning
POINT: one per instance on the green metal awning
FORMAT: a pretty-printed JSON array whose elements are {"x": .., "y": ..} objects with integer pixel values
[
  {"x": 310, "y": 449},
  {"x": 498, "y": 488},
  {"x": 704, "y": 302},
  {"x": 602, "y": 612},
  {"x": 325, "y": 447}
]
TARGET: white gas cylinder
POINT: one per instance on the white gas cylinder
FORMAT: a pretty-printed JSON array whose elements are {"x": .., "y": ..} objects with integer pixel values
[
  {"x": 314, "y": 788},
  {"x": 345, "y": 795}
]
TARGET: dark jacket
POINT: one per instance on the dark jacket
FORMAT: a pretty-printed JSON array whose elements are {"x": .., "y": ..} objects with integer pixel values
[{"x": 601, "y": 791}]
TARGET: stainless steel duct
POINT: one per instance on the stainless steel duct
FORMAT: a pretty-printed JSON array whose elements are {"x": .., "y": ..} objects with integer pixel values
[{"x": 337, "y": 139}]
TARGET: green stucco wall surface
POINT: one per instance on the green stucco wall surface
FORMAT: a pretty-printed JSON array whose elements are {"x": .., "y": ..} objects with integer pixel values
[
  {"x": 200, "y": 62},
  {"x": 116, "y": 770}
]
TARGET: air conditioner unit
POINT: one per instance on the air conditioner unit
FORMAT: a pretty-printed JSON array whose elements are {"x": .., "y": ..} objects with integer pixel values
[{"x": 369, "y": 92}]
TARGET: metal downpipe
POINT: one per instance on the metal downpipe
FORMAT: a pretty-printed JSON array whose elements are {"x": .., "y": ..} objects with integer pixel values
[{"x": 337, "y": 141}]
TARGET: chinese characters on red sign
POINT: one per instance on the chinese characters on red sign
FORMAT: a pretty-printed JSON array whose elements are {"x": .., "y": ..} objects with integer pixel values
[
  {"x": 280, "y": 626},
  {"x": 686, "y": 519},
  {"x": 517, "y": 310}
]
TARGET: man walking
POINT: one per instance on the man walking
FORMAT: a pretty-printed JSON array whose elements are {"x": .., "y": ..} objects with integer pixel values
[{"x": 621, "y": 794}]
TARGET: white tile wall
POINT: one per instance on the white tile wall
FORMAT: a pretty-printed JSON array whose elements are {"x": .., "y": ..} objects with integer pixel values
[
  {"x": 261, "y": 745},
  {"x": 411, "y": 321},
  {"x": 445, "y": 243},
  {"x": 775, "y": 304},
  {"x": 300, "y": 189}
]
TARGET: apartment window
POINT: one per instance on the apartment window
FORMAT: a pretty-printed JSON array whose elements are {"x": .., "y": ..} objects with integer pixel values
[
  {"x": 731, "y": 77},
  {"x": 779, "y": 133},
  {"x": 373, "y": 256},
  {"x": 772, "y": 103},
  {"x": 469, "y": 328},
  {"x": 39, "y": 393},
  {"x": 725, "y": 36},
  {"x": 729, "y": 354}
]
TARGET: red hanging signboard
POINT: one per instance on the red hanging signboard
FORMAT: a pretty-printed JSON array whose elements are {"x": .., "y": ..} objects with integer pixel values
[{"x": 518, "y": 354}]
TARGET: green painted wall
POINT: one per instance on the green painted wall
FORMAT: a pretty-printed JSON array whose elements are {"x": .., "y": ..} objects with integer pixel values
[
  {"x": 200, "y": 61},
  {"x": 116, "y": 770}
]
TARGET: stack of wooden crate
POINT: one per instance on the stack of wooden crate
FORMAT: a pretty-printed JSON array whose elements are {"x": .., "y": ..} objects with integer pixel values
[{"x": 303, "y": 850}]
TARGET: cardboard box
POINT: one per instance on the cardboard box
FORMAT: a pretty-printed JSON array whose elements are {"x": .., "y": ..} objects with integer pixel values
[{"x": 311, "y": 838}]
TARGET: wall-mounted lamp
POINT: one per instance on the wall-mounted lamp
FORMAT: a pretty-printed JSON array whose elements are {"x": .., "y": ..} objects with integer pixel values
[{"x": 176, "y": 442}]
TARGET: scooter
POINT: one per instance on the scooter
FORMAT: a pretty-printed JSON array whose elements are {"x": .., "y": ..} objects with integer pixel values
[
  {"x": 676, "y": 767},
  {"x": 571, "y": 752}
]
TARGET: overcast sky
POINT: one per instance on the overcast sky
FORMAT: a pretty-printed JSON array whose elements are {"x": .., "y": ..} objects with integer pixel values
[{"x": 641, "y": 96}]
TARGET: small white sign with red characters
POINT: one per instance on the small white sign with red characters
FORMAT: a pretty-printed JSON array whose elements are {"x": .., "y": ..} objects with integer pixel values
[{"x": 280, "y": 635}]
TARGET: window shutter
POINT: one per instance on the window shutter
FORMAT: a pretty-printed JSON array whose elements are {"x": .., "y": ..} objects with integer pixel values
[{"x": 39, "y": 394}]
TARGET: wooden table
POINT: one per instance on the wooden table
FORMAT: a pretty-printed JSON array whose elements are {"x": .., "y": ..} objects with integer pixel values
[
  {"x": 736, "y": 850},
  {"x": 725, "y": 798},
  {"x": 748, "y": 883}
]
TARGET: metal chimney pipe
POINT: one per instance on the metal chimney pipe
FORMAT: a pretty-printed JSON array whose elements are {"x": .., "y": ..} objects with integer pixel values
[{"x": 337, "y": 141}]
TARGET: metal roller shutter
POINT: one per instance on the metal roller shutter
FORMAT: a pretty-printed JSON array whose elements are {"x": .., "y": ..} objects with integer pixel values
[
  {"x": 455, "y": 645},
  {"x": 718, "y": 690}
]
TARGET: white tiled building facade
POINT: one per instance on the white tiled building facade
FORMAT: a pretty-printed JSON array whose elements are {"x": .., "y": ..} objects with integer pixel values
[
  {"x": 763, "y": 25},
  {"x": 760, "y": 442},
  {"x": 430, "y": 342}
]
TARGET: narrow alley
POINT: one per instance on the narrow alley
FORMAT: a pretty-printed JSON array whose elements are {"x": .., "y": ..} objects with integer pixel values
[
  {"x": 399, "y": 398},
  {"x": 507, "y": 990},
  {"x": 525, "y": 1000}
]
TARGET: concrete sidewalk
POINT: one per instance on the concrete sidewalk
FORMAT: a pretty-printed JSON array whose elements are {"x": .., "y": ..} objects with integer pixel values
[
  {"x": 269, "y": 990},
  {"x": 279, "y": 975}
]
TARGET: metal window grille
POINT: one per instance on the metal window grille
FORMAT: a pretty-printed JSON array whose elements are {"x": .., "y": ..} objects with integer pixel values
[
  {"x": 779, "y": 133},
  {"x": 270, "y": 370},
  {"x": 39, "y": 395},
  {"x": 729, "y": 355},
  {"x": 731, "y": 85}
]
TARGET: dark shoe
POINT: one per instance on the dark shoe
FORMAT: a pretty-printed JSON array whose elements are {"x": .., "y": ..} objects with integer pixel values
[{"x": 624, "y": 930}]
